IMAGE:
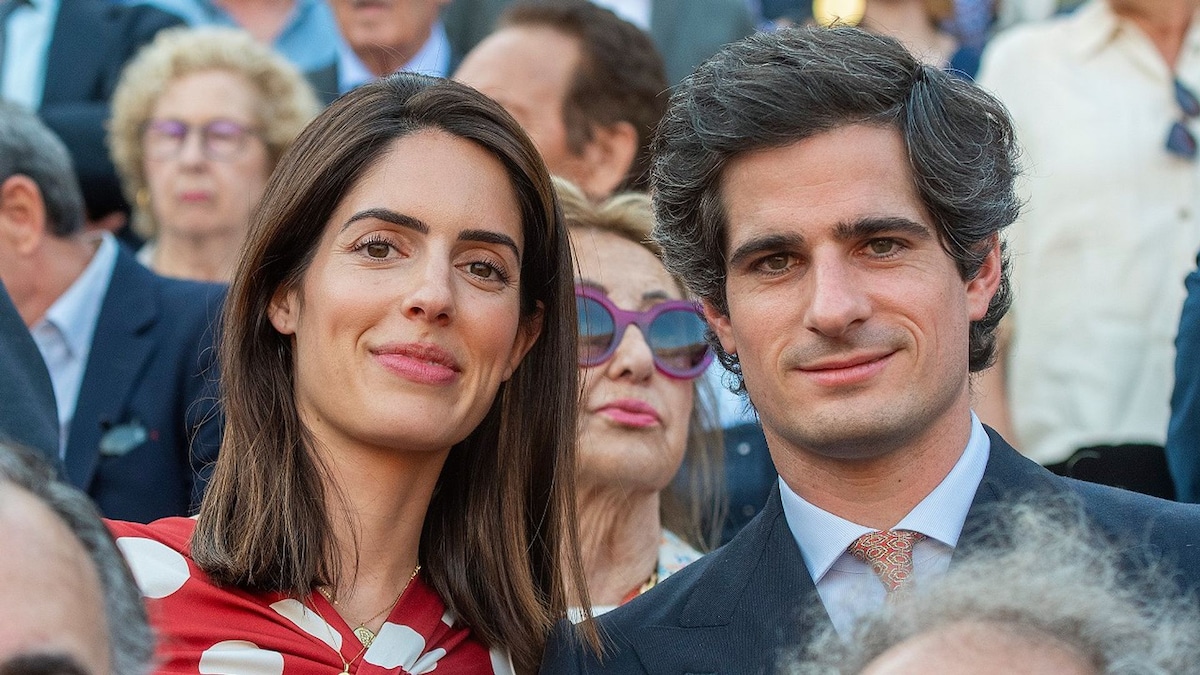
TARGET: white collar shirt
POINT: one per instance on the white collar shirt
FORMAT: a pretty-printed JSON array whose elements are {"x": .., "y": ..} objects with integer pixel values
[
  {"x": 64, "y": 335},
  {"x": 28, "y": 31},
  {"x": 848, "y": 588},
  {"x": 1109, "y": 230},
  {"x": 432, "y": 59},
  {"x": 636, "y": 12}
]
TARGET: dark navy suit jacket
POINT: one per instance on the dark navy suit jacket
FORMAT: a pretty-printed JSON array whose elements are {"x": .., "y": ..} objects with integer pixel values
[
  {"x": 28, "y": 413},
  {"x": 148, "y": 387},
  {"x": 1183, "y": 432},
  {"x": 738, "y": 609},
  {"x": 91, "y": 42}
]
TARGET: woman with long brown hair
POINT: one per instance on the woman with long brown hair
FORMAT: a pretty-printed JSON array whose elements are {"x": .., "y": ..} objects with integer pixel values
[{"x": 399, "y": 385}]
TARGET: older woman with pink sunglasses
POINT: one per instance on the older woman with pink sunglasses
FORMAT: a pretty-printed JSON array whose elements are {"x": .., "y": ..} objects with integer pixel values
[{"x": 641, "y": 349}]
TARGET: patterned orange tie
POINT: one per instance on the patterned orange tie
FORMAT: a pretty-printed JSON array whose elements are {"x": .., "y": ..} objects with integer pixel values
[{"x": 889, "y": 554}]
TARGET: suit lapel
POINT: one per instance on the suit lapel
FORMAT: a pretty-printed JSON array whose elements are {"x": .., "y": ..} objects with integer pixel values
[
  {"x": 755, "y": 600},
  {"x": 120, "y": 348},
  {"x": 1008, "y": 477}
]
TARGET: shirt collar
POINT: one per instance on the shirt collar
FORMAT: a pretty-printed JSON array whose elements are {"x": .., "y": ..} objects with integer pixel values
[
  {"x": 77, "y": 310},
  {"x": 433, "y": 58},
  {"x": 823, "y": 536},
  {"x": 1095, "y": 26}
]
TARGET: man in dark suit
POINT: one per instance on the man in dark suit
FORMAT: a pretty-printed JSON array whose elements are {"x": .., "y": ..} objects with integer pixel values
[
  {"x": 88, "y": 43},
  {"x": 130, "y": 353},
  {"x": 837, "y": 206},
  {"x": 27, "y": 412}
]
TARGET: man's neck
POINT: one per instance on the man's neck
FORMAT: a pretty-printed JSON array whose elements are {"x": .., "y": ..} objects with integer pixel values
[
  {"x": 1165, "y": 22},
  {"x": 876, "y": 491},
  {"x": 49, "y": 273}
]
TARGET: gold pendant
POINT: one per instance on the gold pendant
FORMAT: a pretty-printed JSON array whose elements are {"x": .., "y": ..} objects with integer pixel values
[{"x": 364, "y": 635}]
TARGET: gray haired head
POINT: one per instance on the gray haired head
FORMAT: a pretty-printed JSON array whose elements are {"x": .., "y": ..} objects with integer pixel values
[
  {"x": 130, "y": 640},
  {"x": 29, "y": 148},
  {"x": 773, "y": 89},
  {"x": 1043, "y": 573}
]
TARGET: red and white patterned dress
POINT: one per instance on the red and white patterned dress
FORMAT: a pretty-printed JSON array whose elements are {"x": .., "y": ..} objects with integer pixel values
[{"x": 215, "y": 630}]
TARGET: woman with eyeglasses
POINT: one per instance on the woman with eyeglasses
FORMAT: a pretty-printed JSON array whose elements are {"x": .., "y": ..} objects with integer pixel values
[
  {"x": 641, "y": 349},
  {"x": 200, "y": 117}
]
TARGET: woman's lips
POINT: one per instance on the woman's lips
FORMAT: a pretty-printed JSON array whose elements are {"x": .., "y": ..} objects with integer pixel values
[
  {"x": 420, "y": 363},
  {"x": 630, "y": 412}
]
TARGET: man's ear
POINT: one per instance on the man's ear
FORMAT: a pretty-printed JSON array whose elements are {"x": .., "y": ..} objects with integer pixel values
[
  {"x": 721, "y": 326},
  {"x": 527, "y": 335},
  {"x": 22, "y": 214},
  {"x": 981, "y": 289},
  {"x": 284, "y": 310},
  {"x": 607, "y": 158}
]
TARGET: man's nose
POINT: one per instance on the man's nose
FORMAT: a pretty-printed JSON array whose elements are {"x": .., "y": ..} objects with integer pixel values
[{"x": 838, "y": 300}]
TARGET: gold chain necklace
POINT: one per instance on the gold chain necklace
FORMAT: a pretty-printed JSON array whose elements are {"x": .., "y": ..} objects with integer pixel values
[{"x": 365, "y": 635}]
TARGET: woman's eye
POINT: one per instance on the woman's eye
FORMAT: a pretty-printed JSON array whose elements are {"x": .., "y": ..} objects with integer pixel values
[
  {"x": 482, "y": 270},
  {"x": 377, "y": 249}
]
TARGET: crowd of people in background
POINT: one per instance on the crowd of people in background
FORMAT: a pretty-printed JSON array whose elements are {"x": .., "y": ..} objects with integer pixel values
[{"x": 600, "y": 336}]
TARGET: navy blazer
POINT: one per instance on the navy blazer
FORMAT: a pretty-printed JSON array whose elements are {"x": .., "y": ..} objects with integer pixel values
[
  {"x": 28, "y": 412},
  {"x": 148, "y": 387},
  {"x": 91, "y": 42},
  {"x": 740, "y": 608}
]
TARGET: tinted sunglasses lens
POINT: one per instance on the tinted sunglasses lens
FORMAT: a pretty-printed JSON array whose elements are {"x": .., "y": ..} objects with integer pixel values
[
  {"x": 1181, "y": 142},
  {"x": 595, "y": 331},
  {"x": 677, "y": 340},
  {"x": 1187, "y": 100}
]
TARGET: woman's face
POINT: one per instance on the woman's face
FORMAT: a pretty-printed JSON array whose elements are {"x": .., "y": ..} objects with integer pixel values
[
  {"x": 208, "y": 182},
  {"x": 633, "y": 423},
  {"x": 408, "y": 318}
]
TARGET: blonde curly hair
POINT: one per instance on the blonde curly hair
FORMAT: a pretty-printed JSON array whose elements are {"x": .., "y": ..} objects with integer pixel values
[{"x": 286, "y": 102}]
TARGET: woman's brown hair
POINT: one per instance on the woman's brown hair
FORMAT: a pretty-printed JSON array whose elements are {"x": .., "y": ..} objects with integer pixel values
[{"x": 498, "y": 542}]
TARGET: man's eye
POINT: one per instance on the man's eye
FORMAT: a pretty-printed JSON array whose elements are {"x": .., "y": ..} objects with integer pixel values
[
  {"x": 882, "y": 247},
  {"x": 775, "y": 263}
]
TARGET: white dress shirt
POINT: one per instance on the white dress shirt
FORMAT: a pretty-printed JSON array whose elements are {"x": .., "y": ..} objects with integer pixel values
[
  {"x": 432, "y": 59},
  {"x": 26, "y": 45},
  {"x": 848, "y": 587},
  {"x": 1110, "y": 228},
  {"x": 64, "y": 335}
]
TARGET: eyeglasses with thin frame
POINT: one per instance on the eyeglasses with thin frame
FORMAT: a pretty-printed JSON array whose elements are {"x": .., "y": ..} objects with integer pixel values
[
  {"x": 674, "y": 330},
  {"x": 1181, "y": 142},
  {"x": 221, "y": 140}
]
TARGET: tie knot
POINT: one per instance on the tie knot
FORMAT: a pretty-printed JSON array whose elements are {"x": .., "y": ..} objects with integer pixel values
[{"x": 889, "y": 554}]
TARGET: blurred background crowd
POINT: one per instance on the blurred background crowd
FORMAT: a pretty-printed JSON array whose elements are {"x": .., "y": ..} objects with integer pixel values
[{"x": 174, "y": 113}]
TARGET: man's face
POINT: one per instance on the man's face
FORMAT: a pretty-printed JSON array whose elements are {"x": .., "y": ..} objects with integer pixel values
[
  {"x": 528, "y": 70},
  {"x": 399, "y": 26},
  {"x": 849, "y": 319},
  {"x": 53, "y": 603}
]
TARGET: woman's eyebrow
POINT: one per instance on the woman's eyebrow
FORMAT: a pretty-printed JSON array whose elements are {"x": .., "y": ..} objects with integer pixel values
[
  {"x": 490, "y": 237},
  {"x": 388, "y": 216}
]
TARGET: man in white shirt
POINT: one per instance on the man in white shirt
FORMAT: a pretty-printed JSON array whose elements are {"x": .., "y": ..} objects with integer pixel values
[
  {"x": 837, "y": 206},
  {"x": 1110, "y": 230},
  {"x": 130, "y": 354}
]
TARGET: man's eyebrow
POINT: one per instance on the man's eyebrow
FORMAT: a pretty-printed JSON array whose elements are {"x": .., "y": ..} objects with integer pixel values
[
  {"x": 388, "y": 216},
  {"x": 764, "y": 244},
  {"x": 45, "y": 663},
  {"x": 875, "y": 226},
  {"x": 490, "y": 237}
]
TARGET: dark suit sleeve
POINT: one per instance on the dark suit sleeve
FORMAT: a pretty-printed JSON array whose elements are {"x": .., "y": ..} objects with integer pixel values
[
  {"x": 1183, "y": 433},
  {"x": 567, "y": 653},
  {"x": 28, "y": 413}
]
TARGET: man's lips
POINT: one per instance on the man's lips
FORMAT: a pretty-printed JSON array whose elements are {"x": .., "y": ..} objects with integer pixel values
[
  {"x": 630, "y": 412},
  {"x": 846, "y": 370},
  {"x": 419, "y": 362}
]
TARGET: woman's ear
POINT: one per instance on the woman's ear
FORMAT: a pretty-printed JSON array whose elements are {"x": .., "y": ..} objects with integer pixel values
[
  {"x": 527, "y": 334},
  {"x": 284, "y": 311}
]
